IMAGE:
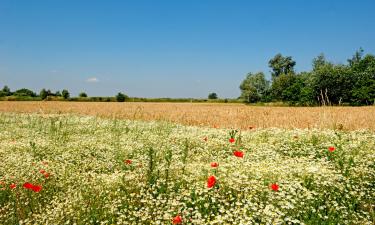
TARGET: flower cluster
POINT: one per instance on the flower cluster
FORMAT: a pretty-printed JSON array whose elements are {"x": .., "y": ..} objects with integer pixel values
[{"x": 91, "y": 170}]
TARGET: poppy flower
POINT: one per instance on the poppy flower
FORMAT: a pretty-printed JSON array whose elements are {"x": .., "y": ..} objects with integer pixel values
[
  {"x": 28, "y": 185},
  {"x": 128, "y": 161},
  {"x": 13, "y": 186},
  {"x": 46, "y": 175},
  {"x": 42, "y": 171},
  {"x": 211, "y": 181},
  {"x": 36, "y": 188},
  {"x": 331, "y": 149},
  {"x": 275, "y": 187},
  {"x": 238, "y": 154},
  {"x": 214, "y": 164},
  {"x": 177, "y": 220},
  {"x": 231, "y": 140}
]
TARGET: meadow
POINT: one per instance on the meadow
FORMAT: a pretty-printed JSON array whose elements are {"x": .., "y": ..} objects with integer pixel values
[{"x": 59, "y": 168}]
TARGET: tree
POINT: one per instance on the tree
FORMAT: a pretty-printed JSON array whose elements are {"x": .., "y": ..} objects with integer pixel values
[
  {"x": 43, "y": 94},
  {"x": 363, "y": 71},
  {"x": 356, "y": 57},
  {"x": 6, "y": 91},
  {"x": 281, "y": 65},
  {"x": 65, "y": 94},
  {"x": 319, "y": 61},
  {"x": 254, "y": 87},
  {"x": 58, "y": 94},
  {"x": 120, "y": 97},
  {"x": 24, "y": 92},
  {"x": 212, "y": 96},
  {"x": 332, "y": 83},
  {"x": 82, "y": 95}
]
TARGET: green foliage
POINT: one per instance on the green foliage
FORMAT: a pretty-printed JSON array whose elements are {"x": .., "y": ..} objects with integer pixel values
[
  {"x": 333, "y": 82},
  {"x": 82, "y": 95},
  {"x": 120, "y": 97},
  {"x": 363, "y": 92},
  {"x": 6, "y": 91},
  {"x": 212, "y": 96},
  {"x": 24, "y": 92},
  {"x": 65, "y": 94},
  {"x": 43, "y": 94},
  {"x": 327, "y": 83},
  {"x": 254, "y": 87},
  {"x": 281, "y": 65}
]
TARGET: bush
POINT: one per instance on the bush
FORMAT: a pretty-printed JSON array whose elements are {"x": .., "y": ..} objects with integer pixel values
[
  {"x": 120, "y": 97},
  {"x": 82, "y": 95}
]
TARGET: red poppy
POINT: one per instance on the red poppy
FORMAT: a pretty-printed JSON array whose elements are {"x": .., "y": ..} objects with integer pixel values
[
  {"x": 13, "y": 186},
  {"x": 36, "y": 188},
  {"x": 205, "y": 138},
  {"x": 214, "y": 164},
  {"x": 238, "y": 154},
  {"x": 177, "y": 220},
  {"x": 42, "y": 171},
  {"x": 211, "y": 181},
  {"x": 331, "y": 149},
  {"x": 128, "y": 161},
  {"x": 28, "y": 185},
  {"x": 231, "y": 140},
  {"x": 46, "y": 175},
  {"x": 275, "y": 187}
]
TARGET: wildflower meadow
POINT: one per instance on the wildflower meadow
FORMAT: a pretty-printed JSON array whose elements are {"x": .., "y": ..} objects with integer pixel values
[{"x": 70, "y": 169}]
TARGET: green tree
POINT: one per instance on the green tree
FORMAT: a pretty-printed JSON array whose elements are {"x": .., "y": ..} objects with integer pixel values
[
  {"x": 332, "y": 83},
  {"x": 254, "y": 87},
  {"x": 65, "y": 94},
  {"x": 363, "y": 70},
  {"x": 283, "y": 87},
  {"x": 319, "y": 61},
  {"x": 58, "y": 94},
  {"x": 24, "y": 92},
  {"x": 212, "y": 96},
  {"x": 357, "y": 57},
  {"x": 281, "y": 65},
  {"x": 43, "y": 94},
  {"x": 6, "y": 90},
  {"x": 82, "y": 95},
  {"x": 120, "y": 97}
]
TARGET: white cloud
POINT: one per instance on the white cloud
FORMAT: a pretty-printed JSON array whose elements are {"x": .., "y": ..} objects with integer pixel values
[{"x": 92, "y": 80}]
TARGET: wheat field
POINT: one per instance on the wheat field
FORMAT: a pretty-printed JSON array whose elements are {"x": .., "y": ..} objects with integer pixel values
[{"x": 238, "y": 116}]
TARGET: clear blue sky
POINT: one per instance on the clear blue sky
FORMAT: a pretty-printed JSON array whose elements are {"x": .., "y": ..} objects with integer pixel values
[{"x": 170, "y": 48}]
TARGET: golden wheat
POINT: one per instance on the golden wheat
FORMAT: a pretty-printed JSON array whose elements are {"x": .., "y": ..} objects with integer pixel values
[{"x": 212, "y": 115}]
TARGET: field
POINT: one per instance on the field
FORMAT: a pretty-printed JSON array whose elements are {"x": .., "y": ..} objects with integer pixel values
[
  {"x": 236, "y": 116},
  {"x": 110, "y": 163}
]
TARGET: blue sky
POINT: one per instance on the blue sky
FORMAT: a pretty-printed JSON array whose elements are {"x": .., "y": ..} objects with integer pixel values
[{"x": 170, "y": 48}]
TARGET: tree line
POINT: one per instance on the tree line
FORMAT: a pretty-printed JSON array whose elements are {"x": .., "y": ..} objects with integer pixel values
[
  {"x": 44, "y": 94},
  {"x": 327, "y": 83}
]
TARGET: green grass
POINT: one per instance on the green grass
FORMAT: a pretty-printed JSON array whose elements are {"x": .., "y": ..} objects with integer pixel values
[{"x": 90, "y": 181}]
